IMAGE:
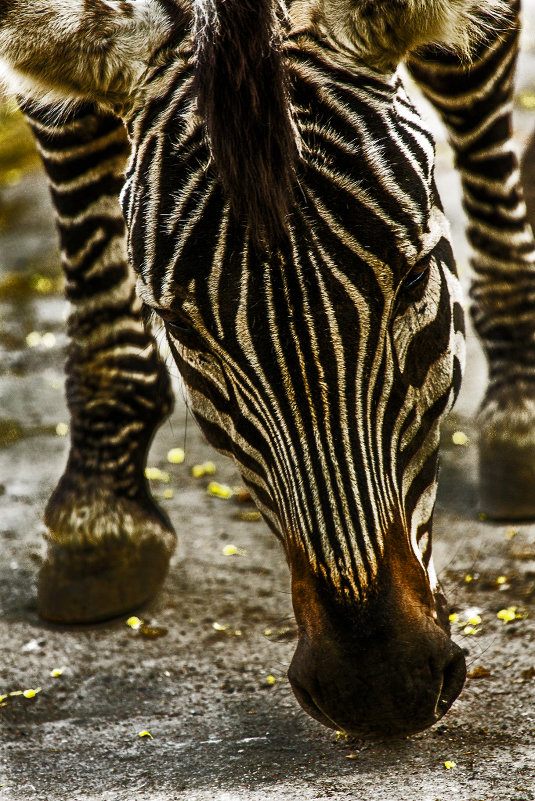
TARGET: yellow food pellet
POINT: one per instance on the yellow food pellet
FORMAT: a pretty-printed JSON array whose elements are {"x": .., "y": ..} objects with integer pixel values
[
  {"x": 512, "y": 613},
  {"x": 475, "y": 620},
  {"x": 449, "y": 765},
  {"x": 219, "y": 627},
  {"x": 352, "y": 756},
  {"x": 134, "y": 622},
  {"x": 267, "y": 632},
  {"x": 250, "y": 516},
  {"x": 507, "y": 614},
  {"x": 33, "y": 340},
  {"x": 168, "y": 494},
  {"x": 233, "y": 550},
  {"x": 219, "y": 490},
  {"x": 57, "y": 672},
  {"x": 527, "y": 100},
  {"x": 176, "y": 456},
  {"x": 42, "y": 284},
  {"x": 468, "y": 578},
  {"x": 270, "y": 680},
  {"x": 454, "y": 617},
  {"x": 155, "y": 474},
  {"x": 204, "y": 469},
  {"x": 31, "y": 693},
  {"x": 470, "y": 630},
  {"x": 501, "y": 580},
  {"x": 62, "y": 429},
  {"x": 3, "y": 697},
  {"x": 145, "y": 733},
  {"x": 459, "y": 438}
]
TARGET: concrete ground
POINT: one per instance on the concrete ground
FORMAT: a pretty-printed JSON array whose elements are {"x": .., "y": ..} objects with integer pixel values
[{"x": 211, "y": 688}]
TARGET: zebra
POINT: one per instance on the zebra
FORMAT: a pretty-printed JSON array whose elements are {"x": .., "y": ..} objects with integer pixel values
[{"x": 280, "y": 213}]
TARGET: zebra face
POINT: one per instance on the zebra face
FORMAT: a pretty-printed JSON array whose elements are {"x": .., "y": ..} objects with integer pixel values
[
  {"x": 328, "y": 394},
  {"x": 323, "y": 359},
  {"x": 324, "y": 369}
]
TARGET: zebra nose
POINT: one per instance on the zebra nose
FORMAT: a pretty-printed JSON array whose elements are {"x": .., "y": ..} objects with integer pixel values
[
  {"x": 454, "y": 675},
  {"x": 378, "y": 688}
]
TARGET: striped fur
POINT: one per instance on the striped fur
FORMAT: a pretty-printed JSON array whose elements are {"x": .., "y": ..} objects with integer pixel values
[
  {"x": 117, "y": 389},
  {"x": 479, "y": 125},
  {"x": 476, "y": 105},
  {"x": 307, "y": 367},
  {"x": 325, "y": 365}
]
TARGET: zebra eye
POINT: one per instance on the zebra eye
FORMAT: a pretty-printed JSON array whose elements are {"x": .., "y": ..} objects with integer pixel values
[
  {"x": 177, "y": 327},
  {"x": 181, "y": 329},
  {"x": 416, "y": 275},
  {"x": 173, "y": 322}
]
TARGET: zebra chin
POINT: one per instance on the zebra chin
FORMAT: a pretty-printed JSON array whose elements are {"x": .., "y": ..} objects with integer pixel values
[{"x": 377, "y": 669}]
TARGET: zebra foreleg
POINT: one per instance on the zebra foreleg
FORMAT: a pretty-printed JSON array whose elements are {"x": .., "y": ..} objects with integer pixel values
[
  {"x": 476, "y": 103},
  {"x": 108, "y": 543}
]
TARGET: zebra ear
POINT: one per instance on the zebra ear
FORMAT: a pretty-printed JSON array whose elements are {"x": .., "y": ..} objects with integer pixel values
[
  {"x": 384, "y": 32},
  {"x": 95, "y": 50}
]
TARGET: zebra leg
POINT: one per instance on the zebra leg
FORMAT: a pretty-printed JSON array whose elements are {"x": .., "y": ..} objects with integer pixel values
[
  {"x": 108, "y": 543},
  {"x": 476, "y": 104}
]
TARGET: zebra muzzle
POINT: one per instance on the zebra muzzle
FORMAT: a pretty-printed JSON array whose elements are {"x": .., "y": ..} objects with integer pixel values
[{"x": 382, "y": 669}]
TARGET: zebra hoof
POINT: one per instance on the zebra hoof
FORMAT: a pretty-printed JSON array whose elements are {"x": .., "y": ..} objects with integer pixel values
[
  {"x": 91, "y": 585},
  {"x": 106, "y": 555},
  {"x": 507, "y": 479}
]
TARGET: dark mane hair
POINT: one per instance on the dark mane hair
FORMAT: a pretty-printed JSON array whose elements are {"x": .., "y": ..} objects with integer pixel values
[{"x": 242, "y": 97}]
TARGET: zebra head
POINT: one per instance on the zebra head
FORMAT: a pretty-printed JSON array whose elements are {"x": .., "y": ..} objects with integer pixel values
[
  {"x": 284, "y": 222},
  {"x": 320, "y": 338},
  {"x": 315, "y": 316}
]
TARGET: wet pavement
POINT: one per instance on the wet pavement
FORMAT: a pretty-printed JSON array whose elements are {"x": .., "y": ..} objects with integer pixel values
[{"x": 211, "y": 687}]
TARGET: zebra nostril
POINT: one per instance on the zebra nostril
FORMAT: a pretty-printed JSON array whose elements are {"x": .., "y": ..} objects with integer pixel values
[
  {"x": 454, "y": 676},
  {"x": 308, "y": 703}
]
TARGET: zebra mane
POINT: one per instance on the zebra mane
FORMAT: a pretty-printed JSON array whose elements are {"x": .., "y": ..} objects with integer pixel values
[
  {"x": 242, "y": 99},
  {"x": 241, "y": 81}
]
